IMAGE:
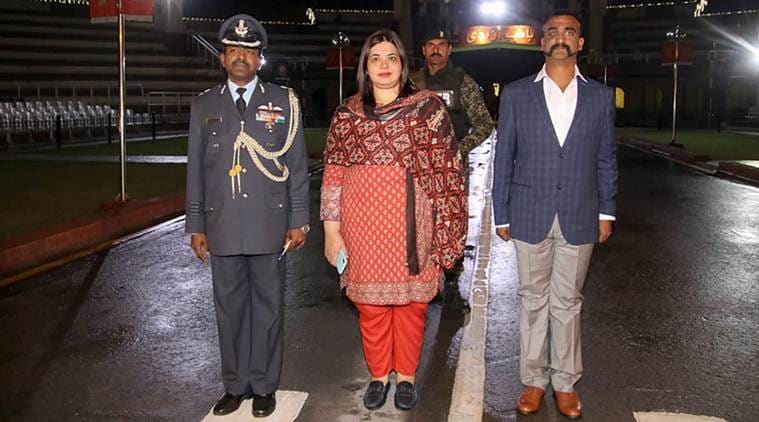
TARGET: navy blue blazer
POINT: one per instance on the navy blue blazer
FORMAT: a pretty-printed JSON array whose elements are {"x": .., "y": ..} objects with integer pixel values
[{"x": 535, "y": 178}]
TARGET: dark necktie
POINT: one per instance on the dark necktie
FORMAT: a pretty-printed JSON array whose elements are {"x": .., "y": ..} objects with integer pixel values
[{"x": 240, "y": 103}]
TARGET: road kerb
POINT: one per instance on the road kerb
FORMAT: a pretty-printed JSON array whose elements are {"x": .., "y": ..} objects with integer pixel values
[{"x": 468, "y": 397}]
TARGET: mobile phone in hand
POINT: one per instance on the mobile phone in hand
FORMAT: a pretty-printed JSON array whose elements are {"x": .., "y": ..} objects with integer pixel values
[{"x": 341, "y": 262}]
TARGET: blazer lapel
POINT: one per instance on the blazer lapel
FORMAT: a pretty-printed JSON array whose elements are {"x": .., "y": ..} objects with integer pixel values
[
  {"x": 582, "y": 100},
  {"x": 539, "y": 98}
]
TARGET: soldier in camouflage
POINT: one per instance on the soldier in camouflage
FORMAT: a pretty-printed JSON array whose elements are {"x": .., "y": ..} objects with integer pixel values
[
  {"x": 460, "y": 93},
  {"x": 470, "y": 117}
]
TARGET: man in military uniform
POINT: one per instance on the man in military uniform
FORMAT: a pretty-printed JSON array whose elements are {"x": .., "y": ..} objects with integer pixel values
[
  {"x": 247, "y": 205},
  {"x": 471, "y": 120},
  {"x": 460, "y": 93}
]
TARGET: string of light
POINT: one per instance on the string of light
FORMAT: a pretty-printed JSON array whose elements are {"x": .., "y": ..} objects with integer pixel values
[
  {"x": 362, "y": 11},
  {"x": 657, "y": 4},
  {"x": 73, "y": 2},
  {"x": 265, "y": 22},
  {"x": 681, "y": 3},
  {"x": 735, "y": 12}
]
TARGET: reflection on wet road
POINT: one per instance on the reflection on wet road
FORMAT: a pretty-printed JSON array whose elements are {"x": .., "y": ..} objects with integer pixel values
[
  {"x": 130, "y": 335},
  {"x": 669, "y": 322}
]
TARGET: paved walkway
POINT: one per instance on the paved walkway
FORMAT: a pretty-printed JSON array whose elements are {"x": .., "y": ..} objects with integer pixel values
[{"x": 669, "y": 322}]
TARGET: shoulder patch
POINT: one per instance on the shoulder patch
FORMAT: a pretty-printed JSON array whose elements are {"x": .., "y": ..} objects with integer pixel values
[
  {"x": 274, "y": 87},
  {"x": 209, "y": 90}
]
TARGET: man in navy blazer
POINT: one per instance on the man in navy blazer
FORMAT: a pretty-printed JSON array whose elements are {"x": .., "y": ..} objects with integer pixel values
[{"x": 554, "y": 191}]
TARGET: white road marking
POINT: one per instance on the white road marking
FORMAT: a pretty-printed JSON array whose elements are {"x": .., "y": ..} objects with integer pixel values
[
  {"x": 673, "y": 417},
  {"x": 289, "y": 405},
  {"x": 467, "y": 400}
]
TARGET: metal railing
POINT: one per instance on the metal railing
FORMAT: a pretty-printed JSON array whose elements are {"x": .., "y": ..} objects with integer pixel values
[
  {"x": 202, "y": 48},
  {"x": 56, "y": 90},
  {"x": 165, "y": 102}
]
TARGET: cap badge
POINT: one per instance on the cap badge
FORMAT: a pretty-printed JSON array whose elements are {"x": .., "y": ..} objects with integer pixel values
[{"x": 241, "y": 29}]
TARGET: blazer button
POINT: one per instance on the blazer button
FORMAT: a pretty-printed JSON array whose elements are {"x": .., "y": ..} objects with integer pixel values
[
  {"x": 559, "y": 186},
  {"x": 561, "y": 155},
  {"x": 245, "y": 195}
]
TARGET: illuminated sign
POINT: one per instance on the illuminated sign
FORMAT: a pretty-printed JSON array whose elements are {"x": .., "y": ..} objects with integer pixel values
[
  {"x": 680, "y": 52},
  {"x": 515, "y": 34},
  {"x": 619, "y": 97}
]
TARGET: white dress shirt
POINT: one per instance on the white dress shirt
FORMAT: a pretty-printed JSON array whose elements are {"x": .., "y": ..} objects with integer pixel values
[
  {"x": 232, "y": 87},
  {"x": 561, "y": 108},
  {"x": 561, "y": 104}
]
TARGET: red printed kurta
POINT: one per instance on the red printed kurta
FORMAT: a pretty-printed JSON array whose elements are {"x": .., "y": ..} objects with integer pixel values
[{"x": 393, "y": 179}]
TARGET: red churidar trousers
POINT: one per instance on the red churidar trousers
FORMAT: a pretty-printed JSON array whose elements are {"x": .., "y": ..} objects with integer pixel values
[{"x": 392, "y": 337}]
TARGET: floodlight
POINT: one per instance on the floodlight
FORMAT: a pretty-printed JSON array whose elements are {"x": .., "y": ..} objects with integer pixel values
[{"x": 493, "y": 8}]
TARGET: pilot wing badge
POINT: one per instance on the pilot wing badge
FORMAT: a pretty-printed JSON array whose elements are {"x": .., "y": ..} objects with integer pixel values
[{"x": 271, "y": 115}]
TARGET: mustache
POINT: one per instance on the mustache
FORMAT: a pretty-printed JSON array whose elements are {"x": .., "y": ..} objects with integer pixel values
[
  {"x": 558, "y": 46},
  {"x": 436, "y": 55},
  {"x": 242, "y": 62}
]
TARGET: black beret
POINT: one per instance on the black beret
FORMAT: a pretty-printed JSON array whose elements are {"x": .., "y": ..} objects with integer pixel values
[{"x": 436, "y": 33}]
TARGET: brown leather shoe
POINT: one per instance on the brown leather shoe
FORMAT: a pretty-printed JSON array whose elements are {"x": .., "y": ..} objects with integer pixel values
[
  {"x": 568, "y": 404},
  {"x": 529, "y": 400}
]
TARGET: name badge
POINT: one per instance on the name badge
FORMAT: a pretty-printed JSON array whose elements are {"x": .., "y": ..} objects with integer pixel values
[{"x": 446, "y": 96}]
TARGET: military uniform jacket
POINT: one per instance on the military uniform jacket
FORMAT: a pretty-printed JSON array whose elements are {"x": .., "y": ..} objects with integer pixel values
[
  {"x": 254, "y": 218},
  {"x": 464, "y": 102}
]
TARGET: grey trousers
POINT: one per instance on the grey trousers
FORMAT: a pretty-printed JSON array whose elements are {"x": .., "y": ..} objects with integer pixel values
[
  {"x": 248, "y": 295},
  {"x": 551, "y": 276}
]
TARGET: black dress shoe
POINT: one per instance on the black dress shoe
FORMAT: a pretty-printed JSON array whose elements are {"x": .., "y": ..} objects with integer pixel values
[
  {"x": 405, "y": 396},
  {"x": 264, "y": 406},
  {"x": 375, "y": 395},
  {"x": 228, "y": 403}
]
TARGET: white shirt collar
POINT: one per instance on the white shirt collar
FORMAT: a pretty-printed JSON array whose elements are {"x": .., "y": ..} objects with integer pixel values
[
  {"x": 249, "y": 87},
  {"x": 542, "y": 74}
]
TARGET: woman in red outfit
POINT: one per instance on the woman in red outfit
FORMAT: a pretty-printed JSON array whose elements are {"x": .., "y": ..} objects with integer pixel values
[{"x": 393, "y": 199}]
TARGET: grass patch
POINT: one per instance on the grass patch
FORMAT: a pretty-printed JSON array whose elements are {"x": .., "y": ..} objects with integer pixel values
[
  {"x": 170, "y": 146},
  {"x": 718, "y": 146},
  {"x": 46, "y": 193},
  {"x": 315, "y": 140}
]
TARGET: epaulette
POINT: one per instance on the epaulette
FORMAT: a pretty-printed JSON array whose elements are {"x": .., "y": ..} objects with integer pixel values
[{"x": 204, "y": 92}]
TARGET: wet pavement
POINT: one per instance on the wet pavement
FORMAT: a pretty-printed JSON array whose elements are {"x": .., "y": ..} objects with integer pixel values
[
  {"x": 669, "y": 322},
  {"x": 130, "y": 335}
]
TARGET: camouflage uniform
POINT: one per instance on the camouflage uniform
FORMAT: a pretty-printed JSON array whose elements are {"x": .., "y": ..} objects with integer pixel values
[
  {"x": 465, "y": 103},
  {"x": 472, "y": 124}
]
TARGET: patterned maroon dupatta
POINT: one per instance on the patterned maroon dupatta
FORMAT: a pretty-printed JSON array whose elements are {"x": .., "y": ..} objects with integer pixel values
[{"x": 418, "y": 135}]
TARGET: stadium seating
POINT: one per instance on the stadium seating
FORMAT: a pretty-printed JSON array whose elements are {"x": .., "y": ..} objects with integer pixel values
[{"x": 57, "y": 63}]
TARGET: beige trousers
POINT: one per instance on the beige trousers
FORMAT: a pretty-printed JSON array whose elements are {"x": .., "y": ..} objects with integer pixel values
[{"x": 551, "y": 276}]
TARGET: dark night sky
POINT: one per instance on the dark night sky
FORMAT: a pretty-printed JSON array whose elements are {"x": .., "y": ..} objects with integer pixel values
[
  {"x": 714, "y": 5},
  {"x": 270, "y": 9},
  {"x": 273, "y": 9}
]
